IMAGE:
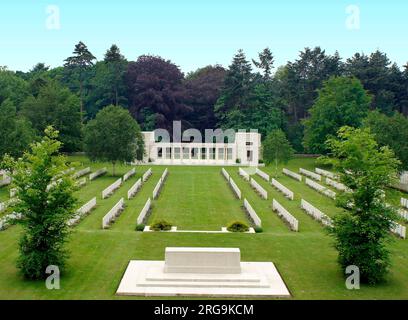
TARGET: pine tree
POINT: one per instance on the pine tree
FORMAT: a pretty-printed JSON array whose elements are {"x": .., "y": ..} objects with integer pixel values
[
  {"x": 81, "y": 60},
  {"x": 116, "y": 64},
  {"x": 236, "y": 89},
  {"x": 265, "y": 62}
]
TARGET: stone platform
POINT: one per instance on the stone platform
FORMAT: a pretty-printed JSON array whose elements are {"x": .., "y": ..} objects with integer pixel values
[{"x": 206, "y": 272}]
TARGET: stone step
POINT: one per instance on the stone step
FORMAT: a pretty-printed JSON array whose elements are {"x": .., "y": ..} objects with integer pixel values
[
  {"x": 203, "y": 277},
  {"x": 202, "y": 284}
]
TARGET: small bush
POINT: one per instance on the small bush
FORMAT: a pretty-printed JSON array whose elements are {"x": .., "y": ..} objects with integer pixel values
[
  {"x": 238, "y": 160},
  {"x": 140, "y": 227},
  {"x": 260, "y": 161},
  {"x": 238, "y": 226},
  {"x": 161, "y": 225},
  {"x": 258, "y": 229}
]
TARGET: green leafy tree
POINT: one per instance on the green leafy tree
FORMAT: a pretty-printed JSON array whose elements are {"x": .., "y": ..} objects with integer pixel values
[
  {"x": 342, "y": 101},
  {"x": 38, "y": 77},
  {"x": 79, "y": 63},
  {"x": 276, "y": 149},
  {"x": 45, "y": 203},
  {"x": 12, "y": 87},
  {"x": 113, "y": 136},
  {"x": 16, "y": 131},
  {"x": 361, "y": 232},
  {"x": 56, "y": 106},
  {"x": 390, "y": 131}
]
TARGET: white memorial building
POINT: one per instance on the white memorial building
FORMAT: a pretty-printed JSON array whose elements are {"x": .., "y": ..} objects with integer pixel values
[{"x": 244, "y": 149}]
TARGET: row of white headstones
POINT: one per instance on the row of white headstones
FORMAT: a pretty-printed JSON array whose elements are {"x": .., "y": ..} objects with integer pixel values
[
  {"x": 331, "y": 178},
  {"x": 248, "y": 208},
  {"x": 7, "y": 220},
  {"x": 144, "y": 213},
  {"x": 118, "y": 208},
  {"x": 293, "y": 223}
]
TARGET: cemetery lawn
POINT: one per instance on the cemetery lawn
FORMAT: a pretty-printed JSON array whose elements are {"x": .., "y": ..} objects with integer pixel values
[{"x": 198, "y": 198}]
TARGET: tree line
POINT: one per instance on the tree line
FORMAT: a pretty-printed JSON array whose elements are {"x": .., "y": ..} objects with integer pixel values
[{"x": 309, "y": 99}]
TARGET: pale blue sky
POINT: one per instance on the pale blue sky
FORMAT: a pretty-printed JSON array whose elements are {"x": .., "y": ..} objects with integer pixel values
[{"x": 195, "y": 33}]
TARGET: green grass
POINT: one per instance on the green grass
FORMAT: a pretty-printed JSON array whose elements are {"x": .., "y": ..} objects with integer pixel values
[
  {"x": 205, "y": 201},
  {"x": 199, "y": 198}
]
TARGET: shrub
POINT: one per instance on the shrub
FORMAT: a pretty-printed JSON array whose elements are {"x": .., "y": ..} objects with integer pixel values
[
  {"x": 260, "y": 161},
  {"x": 140, "y": 227},
  {"x": 258, "y": 229},
  {"x": 238, "y": 160},
  {"x": 161, "y": 225},
  {"x": 237, "y": 226}
]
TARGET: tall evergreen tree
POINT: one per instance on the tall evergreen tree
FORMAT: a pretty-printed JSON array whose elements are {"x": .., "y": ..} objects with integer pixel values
[
  {"x": 381, "y": 78},
  {"x": 79, "y": 63},
  {"x": 117, "y": 64},
  {"x": 107, "y": 83},
  {"x": 303, "y": 77},
  {"x": 236, "y": 89},
  {"x": 265, "y": 62}
]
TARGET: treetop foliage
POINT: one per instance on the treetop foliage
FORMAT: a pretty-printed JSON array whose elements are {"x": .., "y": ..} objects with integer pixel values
[{"x": 113, "y": 136}]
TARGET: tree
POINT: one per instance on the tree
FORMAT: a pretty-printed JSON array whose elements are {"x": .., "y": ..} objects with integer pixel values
[
  {"x": 56, "y": 106},
  {"x": 107, "y": 82},
  {"x": 380, "y": 78},
  {"x": 38, "y": 77},
  {"x": 390, "y": 131},
  {"x": 342, "y": 101},
  {"x": 117, "y": 65},
  {"x": 361, "y": 232},
  {"x": 15, "y": 131},
  {"x": 301, "y": 79},
  {"x": 276, "y": 149},
  {"x": 156, "y": 92},
  {"x": 12, "y": 87},
  {"x": 113, "y": 136},
  {"x": 263, "y": 111},
  {"x": 236, "y": 89},
  {"x": 45, "y": 204},
  {"x": 79, "y": 63},
  {"x": 265, "y": 62},
  {"x": 203, "y": 88}
]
